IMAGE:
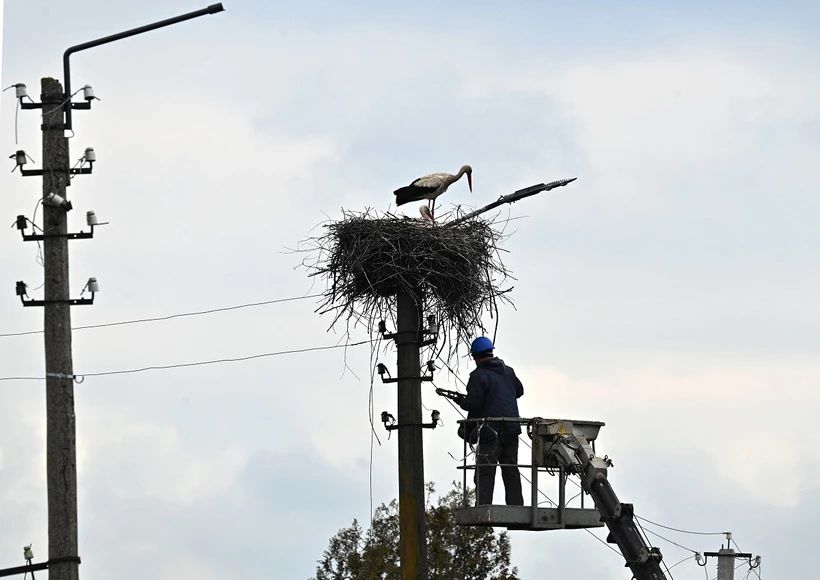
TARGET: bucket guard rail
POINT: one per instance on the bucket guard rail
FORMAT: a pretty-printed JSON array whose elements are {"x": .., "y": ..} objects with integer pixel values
[{"x": 565, "y": 448}]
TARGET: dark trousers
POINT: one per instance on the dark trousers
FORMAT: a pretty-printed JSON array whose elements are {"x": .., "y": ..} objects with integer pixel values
[{"x": 489, "y": 455}]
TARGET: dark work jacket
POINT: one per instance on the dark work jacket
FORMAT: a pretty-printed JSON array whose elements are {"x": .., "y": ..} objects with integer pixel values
[{"x": 493, "y": 391}]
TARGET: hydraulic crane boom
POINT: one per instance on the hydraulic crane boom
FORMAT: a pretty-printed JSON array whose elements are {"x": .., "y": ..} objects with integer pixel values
[
  {"x": 568, "y": 446},
  {"x": 570, "y": 449}
]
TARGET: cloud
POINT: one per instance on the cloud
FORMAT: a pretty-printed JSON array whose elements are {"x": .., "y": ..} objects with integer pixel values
[
  {"x": 693, "y": 415},
  {"x": 667, "y": 292},
  {"x": 167, "y": 468},
  {"x": 279, "y": 505},
  {"x": 676, "y": 131}
]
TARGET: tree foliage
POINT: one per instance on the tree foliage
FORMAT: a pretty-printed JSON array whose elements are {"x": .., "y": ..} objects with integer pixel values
[{"x": 453, "y": 552}]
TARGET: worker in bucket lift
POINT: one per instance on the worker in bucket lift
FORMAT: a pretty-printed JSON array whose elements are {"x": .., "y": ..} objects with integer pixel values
[{"x": 493, "y": 391}]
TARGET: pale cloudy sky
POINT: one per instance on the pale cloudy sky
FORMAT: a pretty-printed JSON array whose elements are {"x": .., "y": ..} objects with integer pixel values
[{"x": 670, "y": 292}]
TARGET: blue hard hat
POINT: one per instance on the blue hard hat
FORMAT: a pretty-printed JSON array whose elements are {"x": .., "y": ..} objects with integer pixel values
[{"x": 481, "y": 344}]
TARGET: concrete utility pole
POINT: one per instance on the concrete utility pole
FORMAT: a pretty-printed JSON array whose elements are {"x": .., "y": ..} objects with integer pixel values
[
  {"x": 726, "y": 559},
  {"x": 61, "y": 454},
  {"x": 726, "y": 564},
  {"x": 412, "y": 527},
  {"x": 409, "y": 338}
]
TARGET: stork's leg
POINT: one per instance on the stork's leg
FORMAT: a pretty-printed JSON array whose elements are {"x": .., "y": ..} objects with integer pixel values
[{"x": 433, "y": 211}]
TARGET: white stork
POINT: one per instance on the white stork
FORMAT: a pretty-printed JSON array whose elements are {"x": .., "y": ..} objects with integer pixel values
[
  {"x": 425, "y": 213},
  {"x": 431, "y": 186}
]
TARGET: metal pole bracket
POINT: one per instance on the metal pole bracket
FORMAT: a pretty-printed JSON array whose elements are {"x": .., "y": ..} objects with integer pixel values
[{"x": 71, "y": 301}]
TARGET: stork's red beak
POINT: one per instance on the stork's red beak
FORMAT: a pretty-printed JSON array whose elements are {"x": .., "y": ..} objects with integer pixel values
[{"x": 470, "y": 181}]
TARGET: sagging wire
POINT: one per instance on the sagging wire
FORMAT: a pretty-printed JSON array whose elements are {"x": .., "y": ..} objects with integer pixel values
[
  {"x": 645, "y": 520},
  {"x": 475, "y": 447},
  {"x": 59, "y": 108},
  {"x": 40, "y": 259},
  {"x": 665, "y": 539},
  {"x": 683, "y": 531},
  {"x": 752, "y": 567},
  {"x": 686, "y": 559},
  {"x": 757, "y": 566},
  {"x": 171, "y": 316},
  {"x": 649, "y": 543},
  {"x": 16, "y": 111},
  {"x": 80, "y": 377},
  {"x": 732, "y": 540},
  {"x": 373, "y": 437}
]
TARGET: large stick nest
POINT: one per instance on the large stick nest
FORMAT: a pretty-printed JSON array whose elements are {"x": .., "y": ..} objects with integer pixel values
[{"x": 454, "y": 271}]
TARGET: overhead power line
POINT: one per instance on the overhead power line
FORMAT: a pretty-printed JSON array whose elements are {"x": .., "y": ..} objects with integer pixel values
[
  {"x": 670, "y": 541},
  {"x": 195, "y": 364},
  {"x": 682, "y": 531},
  {"x": 171, "y": 316}
]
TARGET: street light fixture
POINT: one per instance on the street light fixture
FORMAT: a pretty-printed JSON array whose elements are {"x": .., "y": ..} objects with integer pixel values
[
  {"x": 88, "y": 92},
  {"x": 61, "y": 466}
]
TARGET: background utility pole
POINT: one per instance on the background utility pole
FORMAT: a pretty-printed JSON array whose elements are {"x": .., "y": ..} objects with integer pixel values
[
  {"x": 726, "y": 559},
  {"x": 61, "y": 454},
  {"x": 61, "y": 436},
  {"x": 726, "y": 564},
  {"x": 412, "y": 528}
]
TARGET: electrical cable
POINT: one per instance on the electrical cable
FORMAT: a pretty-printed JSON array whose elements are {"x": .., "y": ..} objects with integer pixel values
[
  {"x": 371, "y": 416},
  {"x": 649, "y": 521},
  {"x": 604, "y": 543},
  {"x": 451, "y": 403},
  {"x": 637, "y": 517},
  {"x": 40, "y": 259},
  {"x": 452, "y": 372},
  {"x": 196, "y": 364},
  {"x": 757, "y": 571},
  {"x": 682, "y": 531},
  {"x": 649, "y": 543},
  {"x": 752, "y": 567},
  {"x": 59, "y": 108},
  {"x": 16, "y": 112},
  {"x": 732, "y": 540},
  {"x": 371, "y": 413},
  {"x": 171, "y": 316},
  {"x": 681, "y": 562},
  {"x": 666, "y": 539}
]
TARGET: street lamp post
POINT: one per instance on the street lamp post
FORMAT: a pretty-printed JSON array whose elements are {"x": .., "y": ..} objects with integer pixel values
[
  {"x": 212, "y": 9},
  {"x": 61, "y": 462}
]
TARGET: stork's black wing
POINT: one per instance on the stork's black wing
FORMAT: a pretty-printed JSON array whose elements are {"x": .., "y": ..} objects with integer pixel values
[{"x": 412, "y": 192}]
